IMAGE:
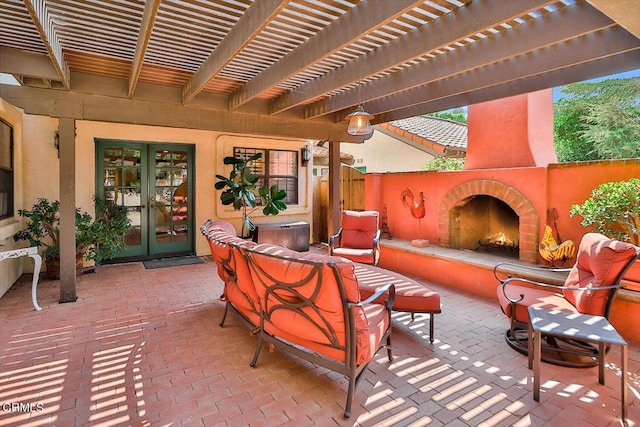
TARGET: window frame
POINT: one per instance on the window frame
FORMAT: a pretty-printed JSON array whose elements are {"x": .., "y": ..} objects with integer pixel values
[
  {"x": 265, "y": 175},
  {"x": 8, "y": 171}
]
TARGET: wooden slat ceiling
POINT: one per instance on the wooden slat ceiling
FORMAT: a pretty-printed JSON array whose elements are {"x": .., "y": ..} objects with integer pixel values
[{"x": 317, "y": 59}]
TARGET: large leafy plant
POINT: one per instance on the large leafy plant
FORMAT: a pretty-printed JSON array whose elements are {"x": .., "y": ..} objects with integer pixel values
[
  {"x": 240, "y": 190},
  {"x": 96, "y": 239},
  {"x": 613, "y": 210}
]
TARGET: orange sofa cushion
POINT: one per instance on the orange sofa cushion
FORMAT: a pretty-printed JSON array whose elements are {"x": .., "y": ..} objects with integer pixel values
[
  {"x": 410, "y": 295},
  {"x": 319, "y": 326},
  {"x": 233, "y": 270}
]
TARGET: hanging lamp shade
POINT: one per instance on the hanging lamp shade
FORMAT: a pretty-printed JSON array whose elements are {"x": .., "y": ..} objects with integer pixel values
[{"x": 359, "y": 122}]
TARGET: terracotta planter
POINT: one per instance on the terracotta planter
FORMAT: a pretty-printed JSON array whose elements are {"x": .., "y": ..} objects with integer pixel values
[{"x": 53, "y": 267}]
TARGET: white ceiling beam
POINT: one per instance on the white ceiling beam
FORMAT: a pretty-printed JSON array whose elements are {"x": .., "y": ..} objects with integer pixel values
[
  {"x": 599, "y": 68},
  {"x": 42, "y": 20},
  {"x": 352, "y": 26},
  {"x": 625, "y": 12},
  {"x": 610, "y": 42},
  {"x": 146, "y": 28},
  {"x": 252, "y": 22},
  {"x": 464, "y": 22},
  {"x": 574, "y": 21}
]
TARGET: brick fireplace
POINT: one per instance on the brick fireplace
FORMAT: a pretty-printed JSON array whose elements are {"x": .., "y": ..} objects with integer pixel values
[{"x": 487, "y": 224}]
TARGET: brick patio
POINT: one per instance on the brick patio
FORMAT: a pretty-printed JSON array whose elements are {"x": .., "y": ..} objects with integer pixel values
[{"x": 143, "y": 348}]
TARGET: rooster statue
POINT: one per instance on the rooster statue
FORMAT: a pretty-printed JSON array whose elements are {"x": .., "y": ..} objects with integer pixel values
[
  {"x": 553, "y": 249},
  {"x": 418, "y": 211}
]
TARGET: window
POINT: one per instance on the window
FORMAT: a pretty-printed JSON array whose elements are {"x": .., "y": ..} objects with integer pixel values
[
  {"x": 279, "y": 167},
  {"x": 6, "y": 170}
]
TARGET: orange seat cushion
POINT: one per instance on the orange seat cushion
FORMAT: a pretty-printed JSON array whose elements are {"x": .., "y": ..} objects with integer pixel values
[
  {"x": 410, "y": 295},
  {"x": 532, "y": 297}
]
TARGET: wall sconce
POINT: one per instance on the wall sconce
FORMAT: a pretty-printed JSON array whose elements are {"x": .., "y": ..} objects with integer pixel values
[
  {"x": 359, "y": 120},
  {"x": 305, "y": 155}
]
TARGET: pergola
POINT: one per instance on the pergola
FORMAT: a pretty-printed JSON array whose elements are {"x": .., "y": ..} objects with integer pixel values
[{"x": 295, "y": 68}]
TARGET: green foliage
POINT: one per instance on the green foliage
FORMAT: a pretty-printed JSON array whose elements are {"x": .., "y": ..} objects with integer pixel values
[
  {"x": 96, "y": 239},
  {"x": 240, "y": 190},
  {"x": 598, "y": 121},
  {"x": 613, "y": 210},
  {"x": 43, "y": 228},
  {"x": 455, "y": 115},
  {"x": 444, "y": 164}
]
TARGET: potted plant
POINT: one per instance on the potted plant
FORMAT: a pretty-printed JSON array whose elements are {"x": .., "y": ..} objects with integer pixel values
[
  {"x": 613, "y": 210},
  {"x": 96, "y": 239},
  {"x": 240, "y": 189}
]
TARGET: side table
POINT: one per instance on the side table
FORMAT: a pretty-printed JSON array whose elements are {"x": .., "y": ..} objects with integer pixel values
[
  {"x": 37, "y": 259},
  {"x": 585, "y": 327}
]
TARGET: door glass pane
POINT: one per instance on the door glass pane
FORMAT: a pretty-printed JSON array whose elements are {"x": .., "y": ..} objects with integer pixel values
[
  {"x": 171, "y": 196},
  {"x": 121, "y": 176}
]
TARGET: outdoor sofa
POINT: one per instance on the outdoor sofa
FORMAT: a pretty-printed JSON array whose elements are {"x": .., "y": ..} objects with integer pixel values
[{"x": 322, "y": 308}]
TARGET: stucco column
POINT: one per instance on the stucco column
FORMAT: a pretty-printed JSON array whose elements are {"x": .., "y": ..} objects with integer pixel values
[
  {"x": 334, "y": 187},
  {"x": 67, "y": 135},
  {"x": 511, "y": 132}
]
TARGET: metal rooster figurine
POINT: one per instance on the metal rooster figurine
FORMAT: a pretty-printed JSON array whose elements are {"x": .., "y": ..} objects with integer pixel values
[{"x": 417, "y": 207}]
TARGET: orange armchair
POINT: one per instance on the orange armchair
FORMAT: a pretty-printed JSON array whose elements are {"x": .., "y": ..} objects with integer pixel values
[
  {"x": 589, "y": 288},
  {"x": 358, "y": 239}
]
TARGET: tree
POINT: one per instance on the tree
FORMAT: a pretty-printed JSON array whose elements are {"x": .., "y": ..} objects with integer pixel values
[
  {"x": 455, "y": 115},
  {"x": 598, "y": 120}
]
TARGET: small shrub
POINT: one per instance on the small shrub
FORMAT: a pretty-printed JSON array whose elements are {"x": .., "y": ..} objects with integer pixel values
[{"x": 613, "y": 210}]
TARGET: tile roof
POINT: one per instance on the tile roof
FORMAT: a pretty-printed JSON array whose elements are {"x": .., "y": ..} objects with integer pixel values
[{"x": 443, "y": 136}]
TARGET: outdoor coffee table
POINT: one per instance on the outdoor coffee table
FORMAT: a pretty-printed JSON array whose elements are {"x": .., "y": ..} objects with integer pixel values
[{"x": 584, "y": 327}]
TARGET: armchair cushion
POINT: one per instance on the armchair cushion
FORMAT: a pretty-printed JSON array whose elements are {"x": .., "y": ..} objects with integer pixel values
[
  {"x": 531, "y": 297},
  {"x": 359, "y": 229},
  {"x": 599, "y": 262}
]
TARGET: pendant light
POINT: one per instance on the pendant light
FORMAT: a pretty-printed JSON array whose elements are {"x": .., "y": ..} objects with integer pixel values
[{"x": 359, "y": 120}]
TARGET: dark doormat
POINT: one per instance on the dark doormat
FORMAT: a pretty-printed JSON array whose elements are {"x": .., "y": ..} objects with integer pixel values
[{"x": 172, "y": 262}]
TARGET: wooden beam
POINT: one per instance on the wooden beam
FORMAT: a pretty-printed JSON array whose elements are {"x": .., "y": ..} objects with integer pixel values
[
  {"x": 146, "y": 28},
  {"x": 625, "y": 12},
  {"x": 608, "y": 42},
  {"x": 626, "y": 61},
  {"x": 40, "y": 16},
  {"x": 573, "y": 21},
  {"x": 67, "y": 133},
  {"x": 335, "y": 202},
  {"x": 23, "y": 63},
  {"x": 92, "y": 106},
  {"x": 345, "y": 30},
  {"x": 254, "y": 20},
  {"x": 464, "y": 22}
]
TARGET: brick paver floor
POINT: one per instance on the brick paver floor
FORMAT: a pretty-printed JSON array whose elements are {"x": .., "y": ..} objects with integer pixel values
[{"x": 143, "y": 348}]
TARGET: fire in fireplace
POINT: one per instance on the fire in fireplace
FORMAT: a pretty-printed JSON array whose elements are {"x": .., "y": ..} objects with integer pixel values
[{"x": 485, "y": 224}]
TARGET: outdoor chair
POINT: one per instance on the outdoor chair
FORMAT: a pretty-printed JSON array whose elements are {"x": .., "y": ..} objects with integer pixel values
[
  {"x": 589, "y": 288},
  {"x": 358, "y": 238}
]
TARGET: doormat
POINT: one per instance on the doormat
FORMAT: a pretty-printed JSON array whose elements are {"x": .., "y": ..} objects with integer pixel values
[{"x": 172, "y": 262}]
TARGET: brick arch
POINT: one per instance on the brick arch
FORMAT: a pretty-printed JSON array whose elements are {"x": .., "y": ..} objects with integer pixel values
[{"x": 524, "y": 209}]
